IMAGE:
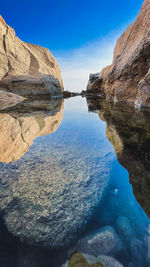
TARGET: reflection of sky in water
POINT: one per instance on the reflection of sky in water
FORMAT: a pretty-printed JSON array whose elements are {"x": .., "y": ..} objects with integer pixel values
[{"x": 90, "y": 198}]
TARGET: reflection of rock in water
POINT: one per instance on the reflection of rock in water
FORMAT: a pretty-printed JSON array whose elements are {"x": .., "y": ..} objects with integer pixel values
[
  {"x": 48, "y": 196},
  {"x": 9, "y": 99},
  {"x": 129, "y": 132},
  {"x": 18, "y": 128}
]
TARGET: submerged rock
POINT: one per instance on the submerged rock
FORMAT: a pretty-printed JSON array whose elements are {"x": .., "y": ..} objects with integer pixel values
[
  {"x": 27, "y": 69},
  {"x": 47, "y": 203},
  {"x": 124, "y": 228},
  {"x": 104, "y": 241},
  {"x": 49, "y": 195},
  {"x": 128, "y": 78},
  {"x": 85, "y": 260},
  {"x": 78, "y": 260},
  {"x": 108, "y": 261}
]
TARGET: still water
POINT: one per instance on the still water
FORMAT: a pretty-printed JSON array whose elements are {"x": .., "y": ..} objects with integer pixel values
[{"x": 74, "y": 177}]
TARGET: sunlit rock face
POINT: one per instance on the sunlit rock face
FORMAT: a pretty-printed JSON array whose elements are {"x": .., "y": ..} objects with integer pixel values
[
  {"x": 129, "y": 132},
  {"x": 128, "y": 78},
  {"x": 27, "y": 69},
  {"x": 19, "y": 129}
]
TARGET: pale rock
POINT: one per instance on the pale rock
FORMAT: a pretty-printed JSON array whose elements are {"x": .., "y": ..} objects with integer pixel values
[{"x": 27, "y": 69}]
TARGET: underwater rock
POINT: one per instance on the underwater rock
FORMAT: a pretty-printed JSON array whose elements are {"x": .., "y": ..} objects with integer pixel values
[
  {"x": 123, "y": 227},
  {"x": 104, "y": 241},
  {"x": 85, "y": 260},
  {"x": 49, "y": 195},
  {"x": 79, "y": 260},
  {"x": 138, "y": 252},
  {"x": 108, "y": 261}
]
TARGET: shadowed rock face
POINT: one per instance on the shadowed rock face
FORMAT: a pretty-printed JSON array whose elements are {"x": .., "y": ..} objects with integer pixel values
[
  {"x": 26, "y": 68},
  {"x": 128, "y": 78},
  {"x": 19, "y": 128},
  {"x": 129, "y": 133}
]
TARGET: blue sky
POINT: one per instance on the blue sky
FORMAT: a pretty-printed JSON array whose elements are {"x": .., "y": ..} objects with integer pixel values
[{"x": 80, "y": 33}]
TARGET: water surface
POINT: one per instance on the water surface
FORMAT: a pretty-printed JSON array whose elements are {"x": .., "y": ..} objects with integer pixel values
[{"x": 74, "y": 178}]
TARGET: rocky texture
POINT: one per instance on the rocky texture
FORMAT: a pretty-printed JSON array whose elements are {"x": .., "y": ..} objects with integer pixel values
[
  {"x": 78, "y": 260},
  {"x": 85, "y": 260},
  {"x": 49, "y": 200},
  {"x": 104, "y": 241},
  {"x": 128, "y": 78},
  {"x": 19, "y": 129},
  {"x": 9, "y": 99},
  {"x": 27, "y": 69},
  {"x": 129, "y": 132}
]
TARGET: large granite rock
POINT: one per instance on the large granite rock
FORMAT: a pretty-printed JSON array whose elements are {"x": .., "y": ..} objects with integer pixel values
[
  {"x": 128, "y": 78},
  {"x": 129, "y": 133},
  {"x": 27, "y": 69},
  {"x": 49, "y": 200}
]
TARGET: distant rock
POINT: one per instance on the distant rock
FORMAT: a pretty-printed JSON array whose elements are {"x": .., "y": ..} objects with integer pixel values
[
  {"x": 27, "y": 69},
  {"x": 128, "y": 78},
  {"x": 68, "y": 94}
]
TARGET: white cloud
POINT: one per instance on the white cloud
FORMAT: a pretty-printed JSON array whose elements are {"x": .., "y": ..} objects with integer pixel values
[{"x": 76, "y": 65}]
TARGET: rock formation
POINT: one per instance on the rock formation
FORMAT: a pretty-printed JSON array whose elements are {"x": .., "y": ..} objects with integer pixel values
[
  {"x": 27, "y": 69},
  {"x": 79, "y": 260},
  {"x": 128, "y": 78},
  {"x": 19, "y": 129},
  {"x": 129, "y": 133}
]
